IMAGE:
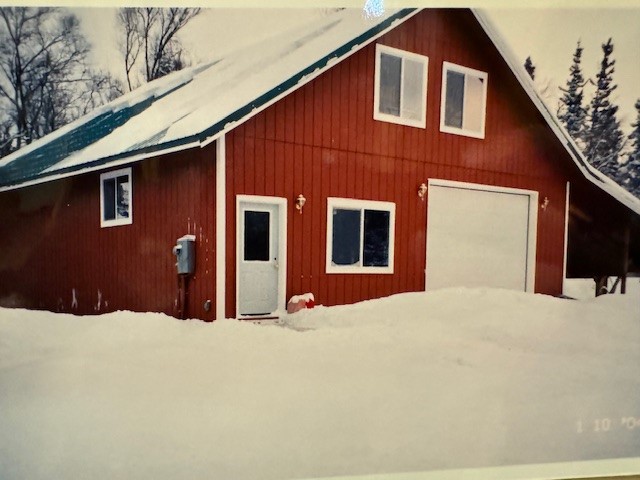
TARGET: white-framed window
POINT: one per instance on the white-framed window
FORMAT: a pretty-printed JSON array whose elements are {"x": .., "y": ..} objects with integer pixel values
[
  {"x": 463, "y": 102},
  {"x": 116, "y": 199},
  {"x": 400, "y": 94},
  {"x": 360, "y": 236}
]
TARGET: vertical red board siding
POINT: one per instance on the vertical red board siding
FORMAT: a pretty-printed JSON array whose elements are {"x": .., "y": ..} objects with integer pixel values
[
  {"x": 325, "y": 143},
  {"x": 320, "y": 141},
  {"x": 53, "y": 245}
]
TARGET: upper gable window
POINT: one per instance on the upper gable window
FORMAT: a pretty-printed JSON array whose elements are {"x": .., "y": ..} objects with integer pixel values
[
  {"x": 116, "y": 198},
  {"x": 400, "y": 94},
  {"x": 464, "y": 100}
]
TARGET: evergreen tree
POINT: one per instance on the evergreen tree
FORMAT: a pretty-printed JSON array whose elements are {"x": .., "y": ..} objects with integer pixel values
[
  {"x": 632, "y": 182},
  {"x": 573, "y": 114},
  {"x": 604, "y": 139},
  {"x": 530, "y": 68}
]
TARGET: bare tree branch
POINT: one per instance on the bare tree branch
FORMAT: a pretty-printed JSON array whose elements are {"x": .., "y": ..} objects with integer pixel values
[
  {"x": 44, "y": 77},
  {"x": 150, "y": 35}
]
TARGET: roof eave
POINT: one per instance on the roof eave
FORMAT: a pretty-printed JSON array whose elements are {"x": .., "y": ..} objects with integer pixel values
[{"x": 101, "y": 164}]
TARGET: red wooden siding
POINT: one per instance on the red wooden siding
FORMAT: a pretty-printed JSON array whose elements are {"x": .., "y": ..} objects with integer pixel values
[
  {"x": 322, "y": 141},
  {"x": 53, "y": 243}
]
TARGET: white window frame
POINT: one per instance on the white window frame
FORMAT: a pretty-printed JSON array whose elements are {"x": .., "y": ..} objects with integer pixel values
[
  {"x": 385, "y": 117},
  {"x": 446, "y": 67},
  {"x": 116, "y": 221},
  {"x": 353, "y": 204}
]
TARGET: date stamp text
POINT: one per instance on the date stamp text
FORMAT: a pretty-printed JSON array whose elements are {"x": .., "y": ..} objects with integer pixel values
[{"x": 606, "y": 424}]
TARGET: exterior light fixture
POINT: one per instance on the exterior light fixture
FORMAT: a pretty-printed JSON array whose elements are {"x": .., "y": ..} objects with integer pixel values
[
  {"x": 422, "y": 191},
  {"x": 300, "y": 201},
  {"x": 545, "y": 203}
]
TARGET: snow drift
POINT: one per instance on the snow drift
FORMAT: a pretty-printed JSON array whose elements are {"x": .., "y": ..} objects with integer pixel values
[{"x": 415, "y": 382}]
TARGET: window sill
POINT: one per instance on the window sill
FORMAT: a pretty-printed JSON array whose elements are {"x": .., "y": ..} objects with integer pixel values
[
  {"x": 116, "y": 223},
  {"x": 385, "y": 117},
  {"x": 462, "y": 132},
  {"x": 359, "y": 270}
]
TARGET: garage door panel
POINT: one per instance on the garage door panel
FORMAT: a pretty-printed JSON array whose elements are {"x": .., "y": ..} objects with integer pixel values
[{"x": 478, "y": 237}]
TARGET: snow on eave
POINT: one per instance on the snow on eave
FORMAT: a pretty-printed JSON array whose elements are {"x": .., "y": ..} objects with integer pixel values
[
  {"x": 99, "y": 164},
  {"x": 594, "y": 176},
  {"x": 154, "y": 88}
]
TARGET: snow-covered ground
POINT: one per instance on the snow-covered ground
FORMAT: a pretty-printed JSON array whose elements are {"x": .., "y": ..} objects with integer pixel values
[{"x": 460, "y": 378}]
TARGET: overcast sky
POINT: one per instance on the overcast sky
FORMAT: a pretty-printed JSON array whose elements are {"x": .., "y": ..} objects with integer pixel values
[{"x": 548, "y": 34}]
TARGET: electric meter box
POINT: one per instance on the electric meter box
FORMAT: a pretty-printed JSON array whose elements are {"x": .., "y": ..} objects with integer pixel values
[{"x": 185, "y": 252}]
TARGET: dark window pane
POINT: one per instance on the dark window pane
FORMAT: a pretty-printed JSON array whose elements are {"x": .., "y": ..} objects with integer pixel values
[
  {"x": 256, "y": 235},
  {"x": 376, "y": 238},
  {"x": 346, "y": 237},
  {"x": 455, "y": 99},
  {"x": 122, "y": 202},
  {"x": 109, "y": 198},
  {"x": 390, "y": 68}
]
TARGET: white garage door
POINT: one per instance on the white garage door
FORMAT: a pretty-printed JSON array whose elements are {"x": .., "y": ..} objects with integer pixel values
[{"x": 480, "y": 236}]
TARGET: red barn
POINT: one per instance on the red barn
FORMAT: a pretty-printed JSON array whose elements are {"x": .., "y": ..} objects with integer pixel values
[{"x": 350, "y": 158}]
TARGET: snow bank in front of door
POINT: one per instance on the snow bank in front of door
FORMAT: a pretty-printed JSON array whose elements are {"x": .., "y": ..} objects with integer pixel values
[{"x": 460, "y": 378}]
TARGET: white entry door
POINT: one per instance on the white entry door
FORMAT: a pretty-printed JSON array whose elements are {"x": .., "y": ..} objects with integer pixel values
[
  {"x": 480, "y": 236},
  {"x": 260, "y": 266}
]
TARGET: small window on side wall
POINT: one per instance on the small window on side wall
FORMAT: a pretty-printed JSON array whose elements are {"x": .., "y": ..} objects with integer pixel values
[
  {"x": 116, "y": 198},
  {"x": 360, "y": 236},
  {"x": 463, "y": 101},
  {"x": 400, "y": 94}
]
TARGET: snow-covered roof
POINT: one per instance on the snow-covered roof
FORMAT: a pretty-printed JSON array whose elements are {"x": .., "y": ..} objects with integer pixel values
[{"x": 196, "y": 105}]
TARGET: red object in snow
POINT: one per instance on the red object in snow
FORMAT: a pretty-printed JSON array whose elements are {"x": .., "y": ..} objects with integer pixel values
[{"x": 300, "y": 302}]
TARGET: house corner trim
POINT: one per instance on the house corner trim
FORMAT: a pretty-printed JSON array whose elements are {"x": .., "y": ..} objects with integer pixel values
[{"x": 221, "y": 230}]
